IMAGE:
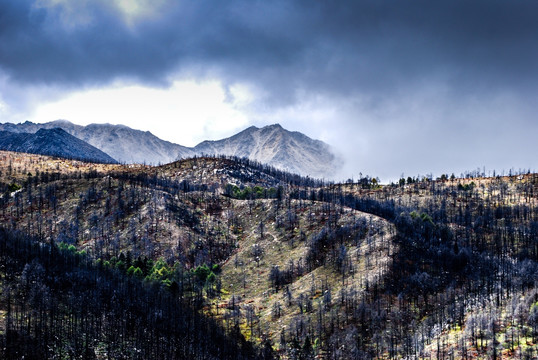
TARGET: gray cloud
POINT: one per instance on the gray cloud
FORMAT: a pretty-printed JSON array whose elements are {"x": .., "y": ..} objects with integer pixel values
[
  {"x": 438, "y": 72},
  {"x": 335, "y": 46}
]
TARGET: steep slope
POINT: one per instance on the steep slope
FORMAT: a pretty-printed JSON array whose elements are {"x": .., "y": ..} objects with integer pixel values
[
  {"x": 175, "y": 220},
  {"x": 114, "y": 313},
  {"x": 272, "y": 145},
  {"x": 54, "y": 142},
  {"x": 122, "y": 143},
  {"x": 276, "y": 146},
  {"x": 431, "y": 269},
  {"x": 132, "y": 146}
]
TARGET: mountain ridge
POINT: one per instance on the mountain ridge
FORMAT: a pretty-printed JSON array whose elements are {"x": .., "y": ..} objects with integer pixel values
[
  {"x": 273, "y": 145},
  {"x": 121, "y": 142},
  {"x": 54, "y": 142}
]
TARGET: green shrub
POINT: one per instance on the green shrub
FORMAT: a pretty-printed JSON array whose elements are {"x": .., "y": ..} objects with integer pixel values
[
  {"x": 202, "y": 272},
  {"x": 211, "y": 277},
  {"x": 13, "y": 187},
  {"x": 130, "y": 270},
  {"x": 138, "y": 273},
  {"x": 120, "y": 265}
]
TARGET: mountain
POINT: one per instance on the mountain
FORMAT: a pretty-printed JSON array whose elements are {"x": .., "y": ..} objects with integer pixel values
[
  {"x": 123, "y": 143},
  {"x": 54, "y": 142},
  {"x": 288, "y": 150},
  {"x": 272, "y": 145}
]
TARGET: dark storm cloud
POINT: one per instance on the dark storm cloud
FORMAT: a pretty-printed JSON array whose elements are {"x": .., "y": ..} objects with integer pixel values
[
  {"x": 415, "y": 86},
  {"x": 325, "y": 46}
]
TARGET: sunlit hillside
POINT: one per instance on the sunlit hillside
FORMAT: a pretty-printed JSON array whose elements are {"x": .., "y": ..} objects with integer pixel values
[{"x": 279, "y": 265}]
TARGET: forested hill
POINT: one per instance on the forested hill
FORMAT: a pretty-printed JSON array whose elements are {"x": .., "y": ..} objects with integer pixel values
[
  {"x": 58, "y": 304},
  {"x": 285, "y": 266}
]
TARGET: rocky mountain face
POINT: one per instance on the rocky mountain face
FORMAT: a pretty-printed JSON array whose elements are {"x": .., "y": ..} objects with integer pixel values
[
  {"x": 123, "y": 143},
  {"x": 276, "y": 146},
  {"x": 272, "y": 145},
  {"x": 54, "y": 142}
]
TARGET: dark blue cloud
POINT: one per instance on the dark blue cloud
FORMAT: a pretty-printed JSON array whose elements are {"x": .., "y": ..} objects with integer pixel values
[
  {"x": 332, "y": 46},
  {"x": 406, "y": 75}
]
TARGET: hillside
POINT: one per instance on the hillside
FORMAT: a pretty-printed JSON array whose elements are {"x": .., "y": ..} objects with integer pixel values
[
  {"x": 74, "y": 308},
  {"x": 54, "y": 142},
  {"x": 424, "y": 269}
]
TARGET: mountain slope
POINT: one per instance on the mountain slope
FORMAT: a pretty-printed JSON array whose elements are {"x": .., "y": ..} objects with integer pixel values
[
  {"x": 122, "y": 143},
  {"x": 182, "y": 214},
  {"x": 427, "y": 270},
  {"x": 272, "y": 145},
  {"x": 54, "y": 142},
  {"x": 276, "y": 146}
]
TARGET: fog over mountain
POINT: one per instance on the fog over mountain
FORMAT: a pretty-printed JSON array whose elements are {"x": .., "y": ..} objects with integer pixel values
[{"x": 273, "y": 145}]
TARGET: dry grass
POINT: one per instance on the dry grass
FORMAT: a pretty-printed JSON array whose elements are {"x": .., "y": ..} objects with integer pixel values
[{"x": 248, "y": 279}]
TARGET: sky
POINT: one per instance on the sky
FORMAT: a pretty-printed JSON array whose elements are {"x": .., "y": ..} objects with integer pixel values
[{"x": 409, "y": 88}]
